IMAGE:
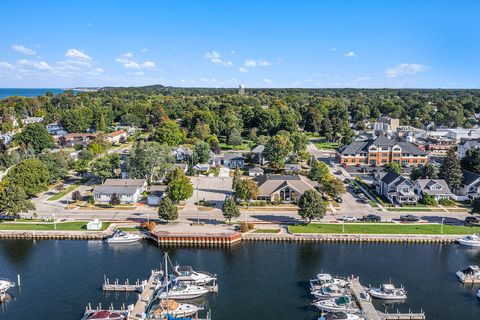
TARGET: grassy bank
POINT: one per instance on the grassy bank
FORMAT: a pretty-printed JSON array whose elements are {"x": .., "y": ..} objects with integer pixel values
[
  {"x": 266, "y": 231},
  {"x": 383, "y": 228},
  {"x": 63, "y": 193},
  {"x": 63, "y": 226}
]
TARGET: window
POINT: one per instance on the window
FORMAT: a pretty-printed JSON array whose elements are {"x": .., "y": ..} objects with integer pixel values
[
  {"x": 396, "y": 149},
  {"x": 384, "y": 154},
  {"x": 385, "y": 148},
  {"x": 373, "y": 148}
]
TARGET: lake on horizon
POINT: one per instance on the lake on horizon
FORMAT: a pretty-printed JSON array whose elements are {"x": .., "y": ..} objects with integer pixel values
[{"x": 27, "y": 92}]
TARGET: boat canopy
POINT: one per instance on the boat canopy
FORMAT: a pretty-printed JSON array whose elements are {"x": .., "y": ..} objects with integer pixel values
[
  {"x": 324, "y": 277},
  {"x": 184, "y": 270},
  {"x": 343, "y": 300},
  {"x": 388, "y": 286},
  {"x": 169, "y": 317},
  {"x": 471, "y": 270}
]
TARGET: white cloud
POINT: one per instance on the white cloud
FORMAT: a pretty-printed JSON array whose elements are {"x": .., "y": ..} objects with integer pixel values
[
  {"x": 39, "y": 65},
  {"x": 131, "y": 65},
  {"x": 406, "y": 69},
  {"x": 215, "y": 57},
  {"x": 257, "y": 63},
  {"x": 266, "y": 80},
  {"x": 334, "y": 49},
  {"x": 350, "y": 54},
  {"x": 148, "y": 65},
  {"x": 76, "y": 54},
  {"x": 144, "y": 49},
  {"x": 128, "y": 55},
  {"x": 24, "y": 50},
  {"x": 5, "y": 65},
  {"x": 243, "y": 70},
  {"x": 96, "y": 71},
  {"x": 122, "y": 60}
]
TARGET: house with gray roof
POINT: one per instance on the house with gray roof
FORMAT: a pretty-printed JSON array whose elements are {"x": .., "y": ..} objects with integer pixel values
[
  {"x": 255, "y": 171},
  {"x": 466, "y": 145},
  {"x": 233, "y": 160},
  {"x": 292, "y": 168},
  {"x": 283, "y": 188},
  {"x": 396, "y": 188},
  {"x": 437, "y": 188},
  {"x": 381, "y": 151},
  {"x": 129, "y": 190},
  {"x": 256, "y": 154},
  {"x": 470, "y": 188}
]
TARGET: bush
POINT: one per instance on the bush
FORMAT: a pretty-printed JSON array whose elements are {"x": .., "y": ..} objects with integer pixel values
[
  {"x": 428, "y": 200},
  {"x": 446, "y": 202},
  {"x": 150, "y": 226},
  {"x": 244, "y": 227},
  {"x": 251, "y": 226},
  {"x": 91, "y": 200}
]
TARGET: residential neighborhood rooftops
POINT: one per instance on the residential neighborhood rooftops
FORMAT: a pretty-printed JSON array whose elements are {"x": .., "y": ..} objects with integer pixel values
[
  {"x": 469, "y": 177},
  {"x": 233, "y": 156},
  {"x": 116, "y": 133}
]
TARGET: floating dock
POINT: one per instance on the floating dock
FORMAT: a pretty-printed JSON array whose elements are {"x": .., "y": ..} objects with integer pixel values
[
  {"x": 138, "y": 286},
  {"x": 370, "y": 313},
  {"x": 139, "y": 309}
]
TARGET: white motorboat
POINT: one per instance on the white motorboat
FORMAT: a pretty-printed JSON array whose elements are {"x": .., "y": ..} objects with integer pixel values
[
  {"x": 478, "y": 294},
  {"x": 187, "y": 274},
  {"x": 340, "y": 304},
  {"x": 339, "y": 316},
  {"x": 388, "y": 292},
  {"x": 6, "y": 284},
  {"x": 323, "y": 279},
  {"x": 175, "y": 309},
  {"x": 328, "y": 291},
  {"x": 183, "y": 291},
  {"x": 123, "y": 237},
  {"x": 470, "y": 241},
  {"x": 469, "y": 274}
]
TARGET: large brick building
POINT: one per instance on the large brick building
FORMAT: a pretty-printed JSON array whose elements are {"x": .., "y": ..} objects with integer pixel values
[{"x": 381, "y": 151}]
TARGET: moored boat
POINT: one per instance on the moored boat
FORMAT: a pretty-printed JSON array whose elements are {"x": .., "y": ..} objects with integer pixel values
[
  {"x": 187, "y": 274},
  {"x": 183, "y": 291},
  {"x": 388, "y": 292},
  {"x": 175, "y": 309},
  {"x": 469, "y": 274},
  {"x": 470, "y": 241},
  {"x": 6, "y": 284},
  {"x": 323, "y": 279},
  {"x": 339, "y": 316},
  {"x": 106, "y": 315},
  {"x": 123, "y": 237},
  {"x": 340, "y": 304},
  {"x": 328, "y": 291}
]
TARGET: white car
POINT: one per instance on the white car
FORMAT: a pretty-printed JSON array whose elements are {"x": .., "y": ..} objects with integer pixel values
[{"x": 349, "y": 219}]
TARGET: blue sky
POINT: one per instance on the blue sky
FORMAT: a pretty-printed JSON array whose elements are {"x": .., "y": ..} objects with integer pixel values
[{"x": 226, "y": 43}]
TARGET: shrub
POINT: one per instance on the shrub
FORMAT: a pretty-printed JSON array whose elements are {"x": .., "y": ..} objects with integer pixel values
[
  {"x": 446, "y": 202},
  {"x": 251, "y": 226},
  {"x": 150, "y": 226},
  {"x": 91, "y": 200},
  {"x": 244, "y": 227}
]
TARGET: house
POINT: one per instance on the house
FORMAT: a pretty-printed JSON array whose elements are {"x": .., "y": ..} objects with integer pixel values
[
  {"x": 292, "y": 168},
  {"x": 56, "y": 129},
  {"x": 30, "y": 120},
  {"x": 255, "y": 172},
  {"x": 202, "y": 167},
  {"x": 257, "y": 154},
  {"x": 233, "y": 160},
  {"x": 395, "y": 188},
  {"x": 181, "y": 153},
  {"x": 283, "y": 188},
  {"x": 216, "y": 160},
  {"x": 72, "y": 139},
  {"x": 157, "y": 193},
  {"x": 437, "y": 188},
  {"x": 466, "y": 145},
  {"x": 381, "y": 151},
  {"x": 470, "y": 188},
  {"x": 116, "y": 136},
  {"x": 7, "y": 138},
  {"x": 129, "y": 190}
]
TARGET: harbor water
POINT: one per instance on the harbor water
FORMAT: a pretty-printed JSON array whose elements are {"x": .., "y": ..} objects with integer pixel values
[{"x": 263, "y": 280}]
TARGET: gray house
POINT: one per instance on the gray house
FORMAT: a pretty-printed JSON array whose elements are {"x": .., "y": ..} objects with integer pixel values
[
  {"x": 233, "y": 160},
  {"x": 470, "y": 188},
  {"x": 437, "y": 188},
  {"x": 283, "y": 188},
  {"x": 129, "y": 190},
  {"x": 395, "y": 188}
]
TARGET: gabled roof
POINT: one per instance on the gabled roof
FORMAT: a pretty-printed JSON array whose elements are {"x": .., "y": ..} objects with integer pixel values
[
  {"x": 382, "y": 141},
  {"x": 118, "y": 189},
  {"x": 233, "y": 156},
  {"x": 390, "y": 177},
  {"x": 469, "y": 177},
  {"x": 426, "y": 185},
  {"x": 124, "y": 182},
  {"x": 256, "y": 169},
  {"x": 258, "y": 149},
  {"x": 268, "y": 184}
]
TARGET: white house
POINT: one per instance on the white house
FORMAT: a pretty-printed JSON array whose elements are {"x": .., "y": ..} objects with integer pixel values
[
  {"x": 395, "y": 188},
  {"x": 116, "y": 136},
  {"x": 181, "y": 153},
  {"x": 30, "y": 120},
  {"x": 463, "y": 147},
  {"x": 129, "y": 190},
  {"x": 470, "y": 188},
  {"x": 255, "y": 172},
  {"x": 56, "y": 129},
  {"x": 233, "y": 160},
  {"x": 157, "y": 193},
  {"x": 437, "y": 188}
]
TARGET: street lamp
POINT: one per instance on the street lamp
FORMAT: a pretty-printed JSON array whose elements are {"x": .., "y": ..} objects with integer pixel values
[
  {"x": 198, "y": 204},
  {"x": 54, "y": 223},
  {"x": 441, "y": 227}
]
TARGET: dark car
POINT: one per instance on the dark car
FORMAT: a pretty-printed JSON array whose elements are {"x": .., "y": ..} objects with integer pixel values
[
  {"x": 409, "y": 218},
  {"x": 472, "y": 221},
  {"x": 338, "y": 199},
  {"x": 371, "y": 218}
]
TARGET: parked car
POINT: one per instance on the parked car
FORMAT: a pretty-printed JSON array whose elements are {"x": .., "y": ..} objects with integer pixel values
[
  {"x": 371, "y": 218},
  {"x": 472, "y": 221},
  {"x": 362, "y": 198},
  {"x": 409, "y": 218},
  {"x": 349, "y": 219},
  {"x": 338, "y": 199},
  {"x": 331, "y": 163}
]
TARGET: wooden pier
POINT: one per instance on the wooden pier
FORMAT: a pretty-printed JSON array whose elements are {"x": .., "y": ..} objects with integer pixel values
[
  {"x": 138, "y": 286},
  {"x": 370, "y": 313},
  {"x": 139, "y": 309}
]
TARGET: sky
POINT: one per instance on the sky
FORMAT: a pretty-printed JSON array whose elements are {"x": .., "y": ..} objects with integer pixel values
[{"x": 313, "y": 44}]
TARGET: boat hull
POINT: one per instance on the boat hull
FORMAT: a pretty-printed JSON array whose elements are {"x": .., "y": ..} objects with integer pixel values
[
  {"x": 378, "y": 295},
  {"x": 469, "y": 243}
]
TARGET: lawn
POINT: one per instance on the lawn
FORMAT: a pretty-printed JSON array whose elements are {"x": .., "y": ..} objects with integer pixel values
[
  {"x": 383, "y": 228},
  {"x": 410, "y": 209},
  {"x": 327, "y": 145},
  {"x": 63, "y": 193},
  {"x": 266, "y": 231},
  {"x": 62, "y": 226},
  {"x": 225, "y": 146}
]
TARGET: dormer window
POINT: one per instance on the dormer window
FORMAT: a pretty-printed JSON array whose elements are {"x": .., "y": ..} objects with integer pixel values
[{"x": 396, "y": 149}]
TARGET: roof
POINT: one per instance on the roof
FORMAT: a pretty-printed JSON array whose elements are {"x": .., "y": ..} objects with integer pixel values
[
  {"x": 292, "y": 166},
  {"x": 80, "y": 135},
  {"x": 469, "y": 177},
  {"x": 390, "y": 177},
  {"x": 256, "y": 169},
  {"x": 426, "y": 185},
  {"x": 382, "y": 141},
  {"x": 125, "y": 182},
  {"x": 233, "y": 156},
  {"x": 268, "y": 184},
  {"x": 116, "y": 133},
  {"x": 258, "y": 149},
  {"x": 118, "y": 189}
]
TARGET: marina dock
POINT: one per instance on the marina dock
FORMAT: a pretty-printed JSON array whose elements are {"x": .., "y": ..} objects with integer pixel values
[
  {"x": 138, "y": 311},
  {"x": 126, "y": 286},
  {"x": 370, "y": 313}
]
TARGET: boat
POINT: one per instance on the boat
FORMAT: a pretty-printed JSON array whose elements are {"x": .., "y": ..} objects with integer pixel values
[
  {"x": 187, "y": 274},
  {"x": 388, "y": 292},
  {"x": 470, "y": 241},
  {"x": 123, "y": 237},
  {"x": 328, "y": 291},
  {"x": 323, "y": 279},
  {"x": 183, "y": 291},
  {"x": 478, "y": 294},
  {"x": 6, "y": 284},
  {"x": 105, "y": 315},
  {"x": 340, "y": 304},
  {"x": 175, "y": 309},
  {"x": 339, "y": 316},
  {"x": 469, "y": 274}
]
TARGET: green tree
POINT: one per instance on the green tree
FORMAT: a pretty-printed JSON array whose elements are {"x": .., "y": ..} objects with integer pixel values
[
  {"x": 106, "y": 166},
  {"x": 230, "y": 210},
  {"x": 333, "y": 187},
  {"x": 76, "y": 195},
  {"x": 169, "y": 132},
  {"x": 86, "y": 155},
  {"x": 234, "y": 138},
  {"x": 115, "y": 199},
  {"x": 277, "y": 149},
  {"x": 31, "y": 175},
  {"x": 318, "y": 171},
  {"x": 241, "y": 190},
  {"x": 427, "y": 171},
  {"x": 428, "y": 200},
  {"x": 56, "y": 163},
  {"x": 201, "y": 152},
  {"x": 475, "y": 206},
  {"x": 237, "y": 177},
  {"x": 451, "y": 170},
  {"x": 299, "y": 141},
  {"x": 81, "y": 167},
  {"x": 179, "y": 186},
  {"x": 252, "y": 190},
  {"x": 395, "y": 167},
  {"x": 311, "y": 206},
  {"x": 36, "y": 137},
  {"x": 471, "y": 161},
  {"x": 13, "y": 199},
  {"x": 167, "y": 210},
  {"x": 149, "y": 160},
  {"x": 77, "y": 119}
]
